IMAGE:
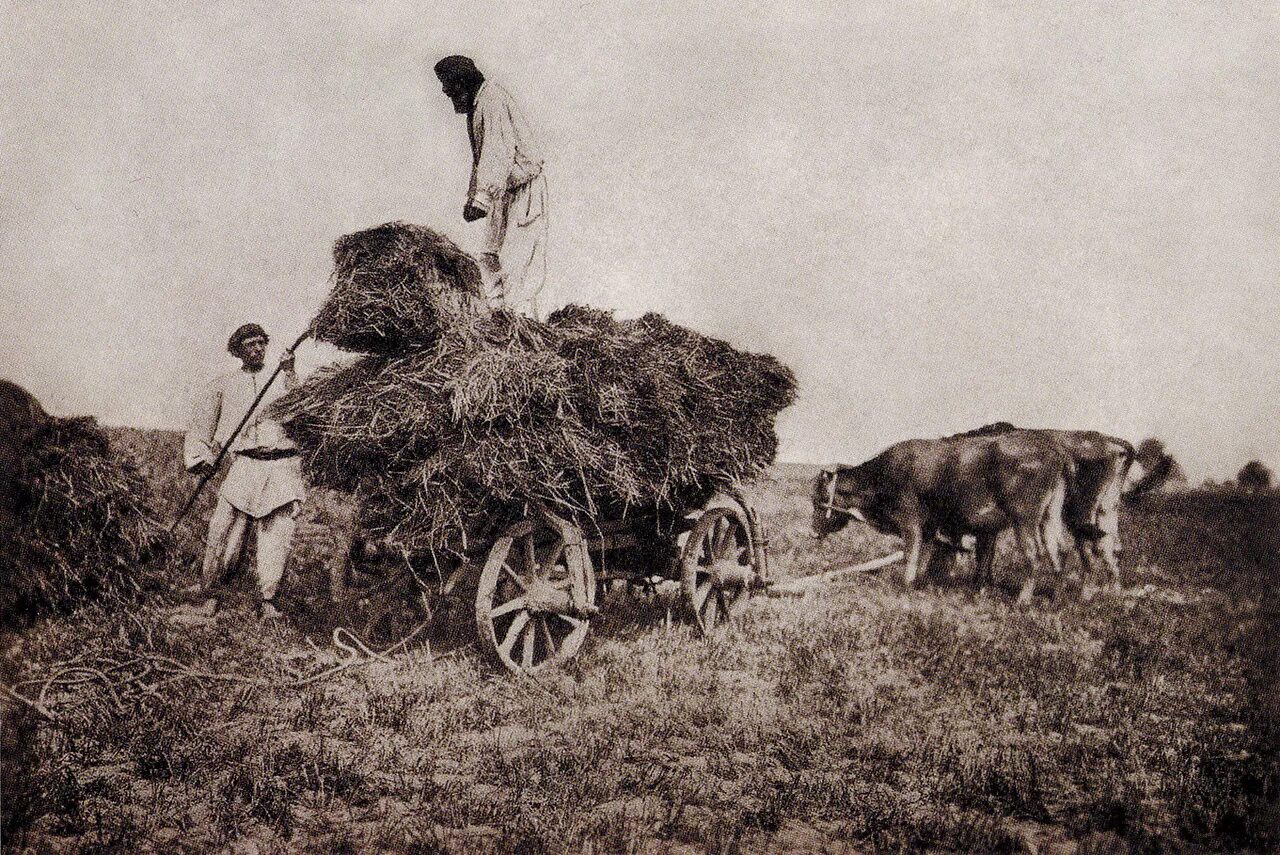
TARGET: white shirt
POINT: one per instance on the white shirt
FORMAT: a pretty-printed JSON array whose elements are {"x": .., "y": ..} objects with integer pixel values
[
  {"x": 505, "y": 155},
  {"x": 220, "y": 406}
]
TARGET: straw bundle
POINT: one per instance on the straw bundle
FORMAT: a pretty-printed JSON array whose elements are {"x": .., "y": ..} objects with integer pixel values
[
  {"x": 82, "y": 526},
  {"x": 395, "y": 287}
]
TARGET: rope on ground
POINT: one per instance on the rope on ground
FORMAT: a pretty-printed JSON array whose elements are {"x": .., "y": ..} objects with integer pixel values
[{"x": 123, "y": 679}]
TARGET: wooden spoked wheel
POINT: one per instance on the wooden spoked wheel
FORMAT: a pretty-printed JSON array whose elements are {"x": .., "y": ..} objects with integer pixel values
[
  {"x": 536, "y": 595},
  {"x": 717, "y": 568}
]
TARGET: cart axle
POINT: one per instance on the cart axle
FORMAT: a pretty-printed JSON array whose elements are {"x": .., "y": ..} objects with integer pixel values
[{"x": 542, "y": 598}]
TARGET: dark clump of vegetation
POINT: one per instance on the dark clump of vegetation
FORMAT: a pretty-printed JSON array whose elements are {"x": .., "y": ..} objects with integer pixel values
[
  {"x": 1254, "y": 476},
  {"x": 83, "y": 526}
]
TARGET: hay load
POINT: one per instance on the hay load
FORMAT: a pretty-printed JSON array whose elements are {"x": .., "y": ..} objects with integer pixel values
[
  {"x": 591, "y": 415},
  {"x": 82, "y": 529},
  {"x": 395, "y": 287}
]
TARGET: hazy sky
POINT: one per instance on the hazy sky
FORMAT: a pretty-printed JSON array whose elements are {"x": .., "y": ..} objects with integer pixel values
[{"x": 939, "y": 214}]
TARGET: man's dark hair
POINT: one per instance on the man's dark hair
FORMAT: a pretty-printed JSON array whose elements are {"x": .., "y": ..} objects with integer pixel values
[{"x": 461, "y": 69}]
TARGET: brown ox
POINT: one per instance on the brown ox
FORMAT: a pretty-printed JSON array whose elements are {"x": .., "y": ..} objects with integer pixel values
[
  {"x": 1099, "y": 467},
  {"x": 925, "y": 488}
]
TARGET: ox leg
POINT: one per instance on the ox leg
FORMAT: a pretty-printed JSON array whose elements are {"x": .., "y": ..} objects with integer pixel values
[
  {"x": 927, "y": 551},
  {"x": 1105, "y": 543},
  {"x": 942, "y": 565},
  {"x": 1028, "y": 542},
  {"x": 1066, "y": 584},
  {"x": 1084, "y": 548},
  {"x": 1107, "y": 547},
  {"x": 916, "y": 550},
  {"x": 985, "y": 560}
]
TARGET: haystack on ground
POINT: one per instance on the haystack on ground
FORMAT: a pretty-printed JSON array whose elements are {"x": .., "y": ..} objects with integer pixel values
[
  {"x": 585, "y": 413},
  {"x": 83, "y": 530}
]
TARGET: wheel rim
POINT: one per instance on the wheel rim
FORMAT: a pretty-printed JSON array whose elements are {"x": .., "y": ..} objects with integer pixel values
[
  {"x": 718, "y": 543},
  {"x": 532, "y": 577}
]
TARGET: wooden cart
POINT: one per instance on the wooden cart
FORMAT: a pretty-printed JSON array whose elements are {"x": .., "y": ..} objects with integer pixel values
[{"x": 535, "y": 577}]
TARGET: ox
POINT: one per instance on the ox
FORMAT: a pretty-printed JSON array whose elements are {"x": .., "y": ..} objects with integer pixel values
[
  {"x": 1099, "y": 468},
  {"x": 923, "y": 490}
]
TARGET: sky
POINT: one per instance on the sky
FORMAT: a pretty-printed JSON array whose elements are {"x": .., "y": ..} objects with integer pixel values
[{"x": 938, "y": 214}]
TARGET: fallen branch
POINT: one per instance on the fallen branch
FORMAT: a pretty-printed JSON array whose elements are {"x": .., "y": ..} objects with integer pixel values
[{"x": 38, "y": 707}]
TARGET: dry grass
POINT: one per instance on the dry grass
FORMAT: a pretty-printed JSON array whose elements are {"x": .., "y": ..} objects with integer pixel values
[
  {"x": 860, "y": 719},
  {"x": 396, "y": 287},
  {"x": 83, "y": 531},
  {"x": 587, "y": 414}
]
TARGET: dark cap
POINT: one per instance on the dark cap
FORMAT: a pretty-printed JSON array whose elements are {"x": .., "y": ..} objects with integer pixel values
[
  {"x": 242, "y": 334},
  {"x": 458, "y": 68}
]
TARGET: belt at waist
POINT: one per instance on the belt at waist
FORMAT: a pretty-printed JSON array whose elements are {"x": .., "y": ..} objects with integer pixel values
[
  {"x": 528, "y": 179},
  {"x": 268, "y": 453}
]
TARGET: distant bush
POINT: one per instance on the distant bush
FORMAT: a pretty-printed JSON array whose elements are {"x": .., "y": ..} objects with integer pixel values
[{"x": 1254, "y": 476}]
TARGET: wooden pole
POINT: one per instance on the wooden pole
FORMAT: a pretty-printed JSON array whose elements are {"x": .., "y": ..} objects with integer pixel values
[{"x": 799, "y": 586}]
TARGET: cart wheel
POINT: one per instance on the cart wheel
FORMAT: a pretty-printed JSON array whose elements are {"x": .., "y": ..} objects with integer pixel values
[
  {"x": 717, "y": 568},
  {"x": 536, "y": 595}
]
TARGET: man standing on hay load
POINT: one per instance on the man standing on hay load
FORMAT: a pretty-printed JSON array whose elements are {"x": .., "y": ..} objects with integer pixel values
[
  {"x": 507, "y": 185},
  {"x": 263, "y": 487}
]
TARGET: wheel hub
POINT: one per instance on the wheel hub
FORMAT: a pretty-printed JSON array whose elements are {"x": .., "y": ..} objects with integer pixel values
[
  {"x": 544, "y": 598},
  {"x": 731, "y": 574}
]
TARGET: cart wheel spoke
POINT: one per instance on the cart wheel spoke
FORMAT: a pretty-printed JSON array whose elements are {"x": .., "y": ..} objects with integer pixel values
[
  {"x": 530, "y": 556},
  {"x": 569, "y": 619},
  {"x": 526, "y": 654},
  {"x": 709, "y": 614},
  {"x": 700, "y": 595},
  {"x": 556, "y": 554},
  {"x": 514, "y": 577},
  {"x": 513, "y": 633},
  {"x": 718, "y": 534},
  {"x": 508, "y": 606},
  {"x": 545, "y": 630}
]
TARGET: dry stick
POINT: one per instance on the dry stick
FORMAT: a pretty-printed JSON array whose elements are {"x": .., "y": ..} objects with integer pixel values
[
  {"x": 35, "y": 705},
  {"x": 178, "y": 672}
]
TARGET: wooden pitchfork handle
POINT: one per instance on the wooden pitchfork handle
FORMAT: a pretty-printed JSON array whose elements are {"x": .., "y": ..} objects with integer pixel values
[{"x": 226, "y": 446}]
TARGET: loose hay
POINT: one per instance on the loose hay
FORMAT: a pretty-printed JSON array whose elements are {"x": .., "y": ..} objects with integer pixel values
[
  {"x": 472, "y": 413},
  {"x": 83, "y": 530},
  {"x": 396, "y": 287}
]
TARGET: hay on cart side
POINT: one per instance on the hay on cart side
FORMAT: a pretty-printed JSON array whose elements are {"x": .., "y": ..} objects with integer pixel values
[
  {"x": 693, "y": 406},
  {"x": 395, "y": 287},
  {"x": 586, "y": 414}
]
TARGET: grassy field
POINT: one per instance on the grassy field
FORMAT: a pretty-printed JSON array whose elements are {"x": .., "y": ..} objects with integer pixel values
[{"x": 860, "y": 718}]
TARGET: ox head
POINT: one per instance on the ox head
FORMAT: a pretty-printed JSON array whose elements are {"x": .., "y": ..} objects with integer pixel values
[{"x": 839, "y": 495}]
